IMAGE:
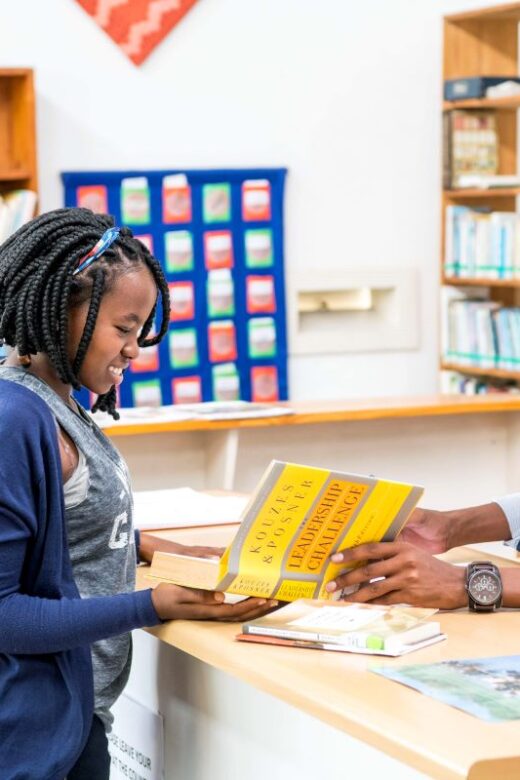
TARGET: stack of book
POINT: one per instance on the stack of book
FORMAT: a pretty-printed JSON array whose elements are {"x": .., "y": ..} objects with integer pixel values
[
  {"x": 481, "y": 244},
  {"x": 470, "y": 145},
  {"x": 353, "y": 628},
  {"x": 453, "y": 383},
  {"x": 481, "y": 333},
  {"x": 16, "y": 208}
]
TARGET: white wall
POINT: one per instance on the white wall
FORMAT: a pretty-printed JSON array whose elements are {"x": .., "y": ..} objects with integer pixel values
[{"x": 346, "y": 94}]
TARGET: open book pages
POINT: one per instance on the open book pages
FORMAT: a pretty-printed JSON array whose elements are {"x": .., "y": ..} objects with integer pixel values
[
  {"x": 185, "y": 508},
  {"x": 297, "y": 517},
  {"x": 361, "y": 628}
]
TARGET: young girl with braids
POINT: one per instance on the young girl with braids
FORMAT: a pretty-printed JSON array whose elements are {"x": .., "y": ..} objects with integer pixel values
[{"x": 78, "y": 298}]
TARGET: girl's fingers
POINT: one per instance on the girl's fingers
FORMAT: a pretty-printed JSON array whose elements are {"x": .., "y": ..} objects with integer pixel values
[
  {"x": 207, "y": 552},
  {"x": 245, "y": 608},
  {"x": 253, "y": 611},
  {"x": 224, "y": 612},
  {"x": 183, "y": 595}
]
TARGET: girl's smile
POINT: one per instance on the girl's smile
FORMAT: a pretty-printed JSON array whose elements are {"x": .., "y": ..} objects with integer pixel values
[{"x": 122, "y": 314}]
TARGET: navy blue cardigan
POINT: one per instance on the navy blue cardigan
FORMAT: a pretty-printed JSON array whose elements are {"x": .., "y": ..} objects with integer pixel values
[{"x": 46, "y": 691}]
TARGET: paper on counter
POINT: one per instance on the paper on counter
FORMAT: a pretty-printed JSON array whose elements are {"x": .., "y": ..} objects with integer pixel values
[
  {"x": 498, "y": 549},
  {"x": 185, "y": 508}
]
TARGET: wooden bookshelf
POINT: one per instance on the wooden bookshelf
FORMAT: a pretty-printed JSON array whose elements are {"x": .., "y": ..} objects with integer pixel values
[
  {"x": 493, "y": 373},
  {"x": 460, "y": 281},
  {"x": 485, "y": 42},
  {"x": 482, "y": 194},
  {"x": 511, "y": 103},
  {"x": 17, "y": 130}
]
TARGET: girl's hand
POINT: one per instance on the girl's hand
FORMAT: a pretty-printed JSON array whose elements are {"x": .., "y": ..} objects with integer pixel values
[
  {"x": 149, "y": 544},
  {"x": 172, "y": 602},
  {"x": 396, "y": 573},
  {"x": 198, "y": 552}
]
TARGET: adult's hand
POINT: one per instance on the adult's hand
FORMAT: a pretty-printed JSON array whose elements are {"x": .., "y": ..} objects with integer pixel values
[
  {"x": 428, "y": 530},
  {"x": 173, "y": 602},
  {"x": 437, "y": 532},
  {"x": 410, "y": 576}
]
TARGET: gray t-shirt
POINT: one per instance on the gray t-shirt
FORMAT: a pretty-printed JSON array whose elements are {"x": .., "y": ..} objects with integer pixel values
[{"x": 100, "y": 534}]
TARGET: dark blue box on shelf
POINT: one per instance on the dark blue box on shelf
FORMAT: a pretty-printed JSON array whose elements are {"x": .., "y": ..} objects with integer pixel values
[{"x": 474, "y": 87}]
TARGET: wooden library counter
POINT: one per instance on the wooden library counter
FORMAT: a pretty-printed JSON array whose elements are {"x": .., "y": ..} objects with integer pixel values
[
  {"x": 338, "y": 688},
  {"x": 316, "y": 412},
  {"x": 424, "y": 439}
]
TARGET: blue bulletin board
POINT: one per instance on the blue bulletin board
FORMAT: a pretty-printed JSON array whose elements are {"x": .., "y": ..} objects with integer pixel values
[{"x": 219, "y": 237}]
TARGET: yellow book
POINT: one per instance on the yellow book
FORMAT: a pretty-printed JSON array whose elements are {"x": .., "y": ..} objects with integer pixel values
[{"x": 297, "y": 517}]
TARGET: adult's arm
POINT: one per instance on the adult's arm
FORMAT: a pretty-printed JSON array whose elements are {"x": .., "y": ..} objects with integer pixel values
[
  {"x": 438, "y": 531},
  {"x": 398, "y": 572}
]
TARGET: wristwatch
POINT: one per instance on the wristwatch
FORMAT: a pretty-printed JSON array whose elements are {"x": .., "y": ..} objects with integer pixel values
[{"x": 484, "y": 586}]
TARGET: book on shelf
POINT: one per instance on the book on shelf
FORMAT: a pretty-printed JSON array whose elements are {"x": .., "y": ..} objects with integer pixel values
[
  {"x": 16, "y": 208},
  {"x": 481, "y": 333},
  {"x": 481, "y": 244},
  {"x": 357, "y": 628},
  {"x": 454, "y": 383},
  {"x": 478, "y": 86},
  {"x": 297, "y": 517},
  {"x": 508, "y": 88},
  {"x": 470, "y": 145},
  {"x": 469, "y": 330}
]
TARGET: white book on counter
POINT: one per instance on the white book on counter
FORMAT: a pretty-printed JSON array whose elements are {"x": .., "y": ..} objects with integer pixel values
[
  {"x": 185, "y": 508},
  {"x": 211, "y": 410}
]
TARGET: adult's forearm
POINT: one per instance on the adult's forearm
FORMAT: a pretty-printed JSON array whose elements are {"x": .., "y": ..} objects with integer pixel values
[
  {"x": 511, "y": 585},
  {"x": 485, "y": 523}
]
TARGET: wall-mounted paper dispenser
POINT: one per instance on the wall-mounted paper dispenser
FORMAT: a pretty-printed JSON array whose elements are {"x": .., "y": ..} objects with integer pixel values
[
  {"x": 335, "y": 300},
  {"x": 352, "y": 310}
]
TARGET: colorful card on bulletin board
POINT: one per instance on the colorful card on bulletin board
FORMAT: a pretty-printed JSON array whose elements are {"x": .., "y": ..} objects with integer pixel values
[{"x": 218, "y": 235}]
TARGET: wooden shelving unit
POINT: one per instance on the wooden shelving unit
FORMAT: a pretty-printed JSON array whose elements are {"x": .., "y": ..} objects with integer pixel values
[
  {"x": 494, "y": 373},
  {"x": 482, "y": 194},
  {"x": 17, "y": 130},
  {"x": 506, "y": 103},
  {"x": 485, "y": 42},
  {"x": 459, "y": 281}
]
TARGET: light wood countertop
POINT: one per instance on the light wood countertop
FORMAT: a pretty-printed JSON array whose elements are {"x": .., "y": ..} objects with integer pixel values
[{"x": 338, "y": 688}]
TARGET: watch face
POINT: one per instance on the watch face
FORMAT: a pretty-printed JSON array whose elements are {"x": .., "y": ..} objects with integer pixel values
[{"x": 484, "y": 587}]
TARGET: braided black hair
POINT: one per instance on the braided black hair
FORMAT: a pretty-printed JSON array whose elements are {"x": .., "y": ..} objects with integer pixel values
[{"x": 37, "y": 288}]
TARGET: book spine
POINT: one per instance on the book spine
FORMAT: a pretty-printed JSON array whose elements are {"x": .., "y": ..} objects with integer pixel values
[
  {"x": 447, "y": 150},
  {"x": 281, "y": 633},
  {"x": 356, "y": 640}
]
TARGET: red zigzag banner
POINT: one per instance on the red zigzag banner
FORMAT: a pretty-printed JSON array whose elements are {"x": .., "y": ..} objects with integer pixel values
[{"x": 137, "y": 26}]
